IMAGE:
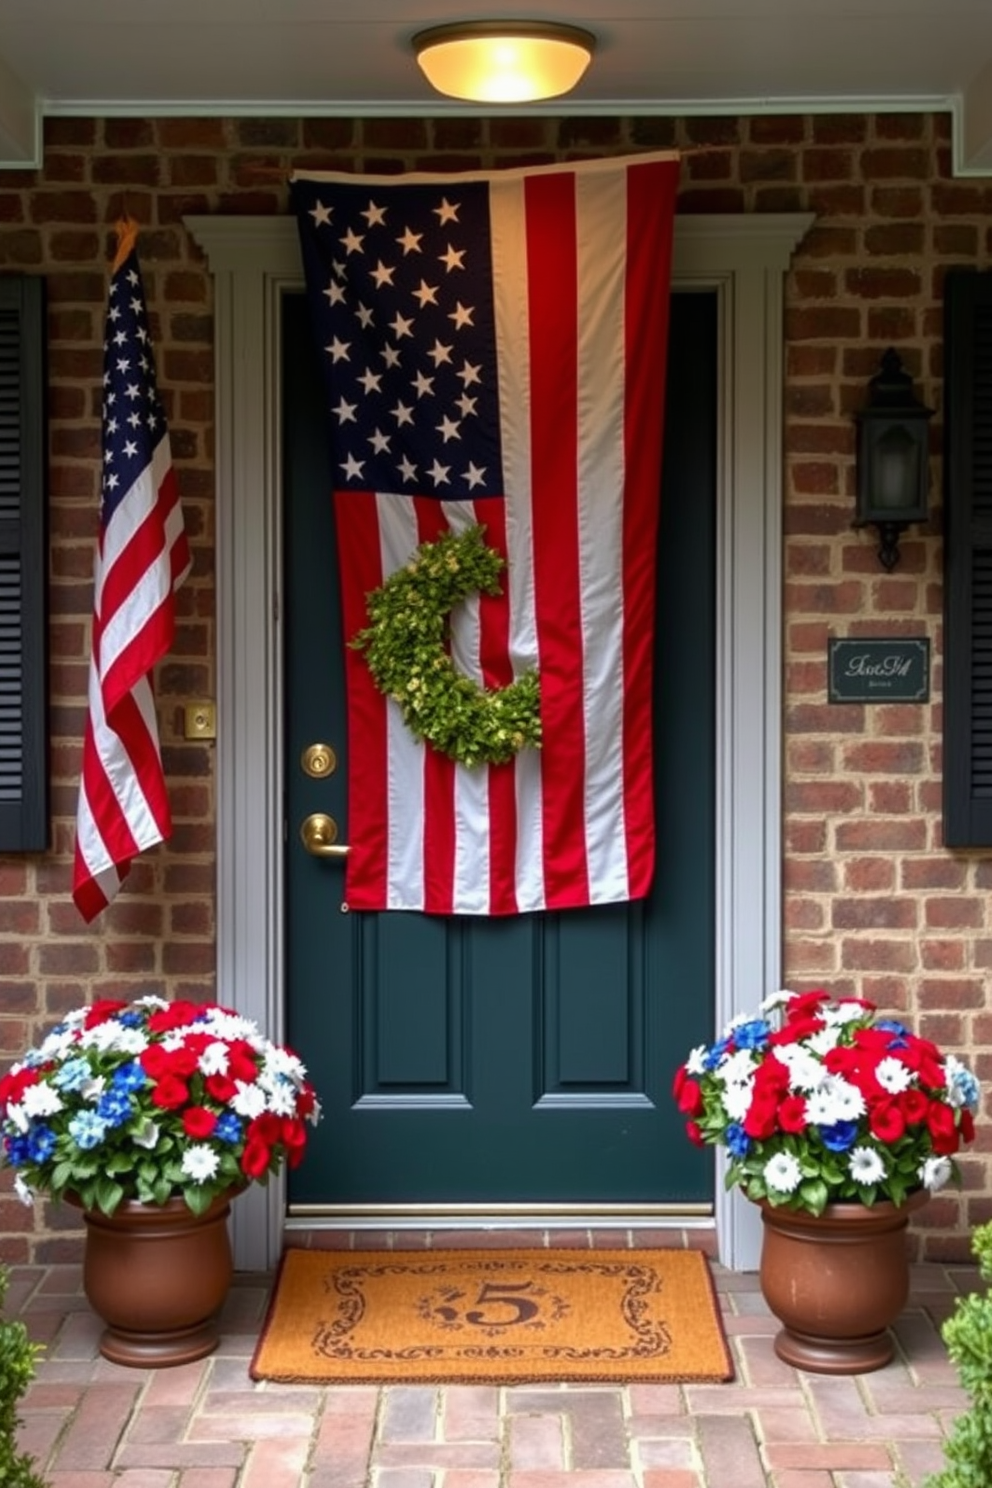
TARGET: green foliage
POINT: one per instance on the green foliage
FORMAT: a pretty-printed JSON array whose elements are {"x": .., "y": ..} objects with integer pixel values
[
  {"x": 968, "y": 1336},
  {"x": 406, "y": 647},
  {"x": 17, "y": 1364}
]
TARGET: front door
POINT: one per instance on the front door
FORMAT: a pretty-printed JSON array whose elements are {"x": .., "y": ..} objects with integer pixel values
[{"x": 524, "y": 1061}]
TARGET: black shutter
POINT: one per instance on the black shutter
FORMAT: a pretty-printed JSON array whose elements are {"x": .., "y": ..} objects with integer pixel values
[
  {"x": 968, "y": 559},
  {"x": 23, "y": 714}
]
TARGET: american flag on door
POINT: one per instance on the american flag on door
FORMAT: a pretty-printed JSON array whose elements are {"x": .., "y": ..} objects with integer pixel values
[{"x": 494, "y": 350}]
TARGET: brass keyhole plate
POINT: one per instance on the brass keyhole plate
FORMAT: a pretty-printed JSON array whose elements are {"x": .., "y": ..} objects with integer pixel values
[{"x": 318, "y": 760}]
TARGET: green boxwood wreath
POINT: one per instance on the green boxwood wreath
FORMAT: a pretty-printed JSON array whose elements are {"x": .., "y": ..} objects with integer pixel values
[{"x": 406, "y": 648}]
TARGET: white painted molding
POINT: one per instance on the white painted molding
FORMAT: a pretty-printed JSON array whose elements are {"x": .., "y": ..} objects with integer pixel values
[{"x": 253, "y": 261}]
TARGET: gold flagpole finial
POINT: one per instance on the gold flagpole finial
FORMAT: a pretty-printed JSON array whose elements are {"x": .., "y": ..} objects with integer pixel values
[{"x": 127, "y": 235}]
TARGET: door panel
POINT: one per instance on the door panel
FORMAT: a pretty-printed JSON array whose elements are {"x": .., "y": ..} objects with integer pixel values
[{"x": 523, "y": 1060}]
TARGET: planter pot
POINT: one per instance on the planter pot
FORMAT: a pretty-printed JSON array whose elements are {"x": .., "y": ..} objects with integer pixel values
[
  {"x": 836, "y": 1282},
  {"x": 157, "y": 1275}
]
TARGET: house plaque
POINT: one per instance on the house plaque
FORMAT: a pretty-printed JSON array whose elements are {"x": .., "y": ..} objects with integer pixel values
[{"x": 878, "y": 670}]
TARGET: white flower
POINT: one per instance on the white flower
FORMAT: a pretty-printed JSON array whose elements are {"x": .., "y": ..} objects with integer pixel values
[
  {"x": 737, "y": 1099},
  {"x": 22, "y": 1190},
  {"x": 776, "y": 1000},
  {"x": 214, "y": 1059},
  {"x": 822, "y": 1106},
  {"x": 866, "y": 1165},
  {"x": 782, "y": 1172},
  {"x": 696, "y": 1063},
  {"x": 736, "y": 1069},
  {"x": 893, "y": 1075},
  {"x": 848, "y": 1101},
  {"x": 15, "y": 1114},
  {"x": 839, "y": 1013},
  {"x": 805, "y": 1072},
  {"x": 934, "y": 1172},
  {"x": 249, "y": 1100},
  {"x": 103, "y": 1036},
  {"x": 41, "y": 1100},
  {"x": 200, "y": 1162},
  {"x": 824, "y": 1040},
  {"x": 282, "y": 1062},
  {"x": 56, "y": 1046},
  {"x": 146, "y": 1135},
  {"x": 282, "y": 1100}
]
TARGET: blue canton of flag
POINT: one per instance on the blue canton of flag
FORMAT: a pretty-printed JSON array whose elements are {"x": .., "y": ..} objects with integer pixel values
[
  {"x": 133, "y": 416},
  {"x": 406, "y": 323}
]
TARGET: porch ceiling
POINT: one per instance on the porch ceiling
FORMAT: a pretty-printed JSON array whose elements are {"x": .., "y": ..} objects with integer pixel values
[{"x": 354, "y": 57}]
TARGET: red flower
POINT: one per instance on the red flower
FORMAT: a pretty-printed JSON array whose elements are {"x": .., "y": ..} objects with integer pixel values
[
  {"x": 690, "y": 1101},
  {"x": 805, "y": 1003},
  {"x": 102, "y": 1011},
  {"x": 157, "y": 1061},
  {"x": 170, "y": 1092},
  {"x": 13, "y": 1086},
  {"x": 771, "y": 1078},
  {"x": 256, "y": 1157},
  {"x": 761, "y": 1120},
  {"x": 221, "y": 1088},
  {"x": 164, "y": 1020},
  {"x": 914, "y": 1105},
  {"x": 943, "y": 1131},
  {"x": 796, "y": 1029},
  {"x": 306, "y": 1100},
  {"x": 886, "y": 1121},
  {"x": 792, "y": 1113},
  {"x": 242, "y": 1061},
  {"x": 694, "y": 1134},
  {"x": 294, "y": 1139},
  {"x": 198, "y": 1122},
  {"x": 967, "y": 1126}
]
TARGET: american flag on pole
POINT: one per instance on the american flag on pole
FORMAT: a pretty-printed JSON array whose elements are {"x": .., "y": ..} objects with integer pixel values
[
  {"x": 142, "y": 558},
  {"x": 494, "y": 348}
]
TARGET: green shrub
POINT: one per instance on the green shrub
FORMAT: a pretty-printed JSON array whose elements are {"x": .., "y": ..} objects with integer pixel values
[
  {"x": 17, "y": 1359},
  {"x": 968, "y": 1336}
]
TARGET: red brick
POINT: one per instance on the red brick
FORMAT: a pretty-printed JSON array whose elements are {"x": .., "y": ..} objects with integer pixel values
[{"x": 873, "y": 912}]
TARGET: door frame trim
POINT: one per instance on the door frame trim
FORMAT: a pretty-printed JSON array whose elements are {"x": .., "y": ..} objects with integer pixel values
[{"x": 254, "y": 260}]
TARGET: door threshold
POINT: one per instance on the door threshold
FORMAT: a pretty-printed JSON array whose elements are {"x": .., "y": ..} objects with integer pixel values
[{"x": 406, "y": 1227}]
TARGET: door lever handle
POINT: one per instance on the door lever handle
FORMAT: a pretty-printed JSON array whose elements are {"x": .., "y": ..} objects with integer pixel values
[{"x": 319, "y": 834}]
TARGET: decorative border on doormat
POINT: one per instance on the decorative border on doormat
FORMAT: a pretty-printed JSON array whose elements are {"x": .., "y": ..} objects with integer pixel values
[{"x": 496, "y": 1316}]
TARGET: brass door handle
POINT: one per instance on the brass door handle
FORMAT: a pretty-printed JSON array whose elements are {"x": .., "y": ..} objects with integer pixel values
[{"x": 319, "y": 833}]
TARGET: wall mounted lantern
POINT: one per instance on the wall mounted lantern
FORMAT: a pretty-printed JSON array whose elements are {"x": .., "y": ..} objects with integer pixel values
[
  {"x": 503, "y": 61},
  {"x": 893, "y": 458}
]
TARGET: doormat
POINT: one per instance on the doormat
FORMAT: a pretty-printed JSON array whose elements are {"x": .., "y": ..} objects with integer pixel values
[{"x": 503, "y": 1317}]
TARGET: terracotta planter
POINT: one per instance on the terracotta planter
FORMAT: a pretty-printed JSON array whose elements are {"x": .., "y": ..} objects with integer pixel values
[
  {"x": 836, "y": 1282},
  {"x": 157, "y": 1276}
]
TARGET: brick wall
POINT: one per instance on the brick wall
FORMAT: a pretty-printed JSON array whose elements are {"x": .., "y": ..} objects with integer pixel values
[{"x": 873, "y": 904}]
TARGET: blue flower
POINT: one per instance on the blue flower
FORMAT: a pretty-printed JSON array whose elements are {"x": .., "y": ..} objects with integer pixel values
[
  {"x": 17, "y": 1150},
  {"x": 128, "y": 1077},
  {"x": 840, "y": 1136},
  {"x": 87, "y": 1130},
  {"x": 753, "y": 1035},
  {"x": 737, "y": 1139},
  {"x": 715, "y": 1053},
  {"x": 899, "y": 1031},
  {"x": 228, "y": 1128},
  {"x": 131, "y": 1019},
  {"x": 964, "y": 1082},
  {"x": 41, "y": 1143},
  {"x": 73, "y": 1075},
  {"x": 115, "y": 1107}
]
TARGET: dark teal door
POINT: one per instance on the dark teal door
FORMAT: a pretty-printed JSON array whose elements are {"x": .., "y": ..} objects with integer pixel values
[{"x": 508, "y": 1061}]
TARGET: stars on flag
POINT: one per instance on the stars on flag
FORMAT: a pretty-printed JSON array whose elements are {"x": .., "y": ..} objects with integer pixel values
[{"x": 401, "y": 350}]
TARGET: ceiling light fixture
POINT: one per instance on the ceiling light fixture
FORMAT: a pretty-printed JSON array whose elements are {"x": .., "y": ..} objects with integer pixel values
[{"x": 503, "y": 61}]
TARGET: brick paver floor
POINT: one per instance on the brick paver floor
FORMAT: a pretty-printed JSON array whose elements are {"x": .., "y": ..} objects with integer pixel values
[{"x": 92, "y": 1424}]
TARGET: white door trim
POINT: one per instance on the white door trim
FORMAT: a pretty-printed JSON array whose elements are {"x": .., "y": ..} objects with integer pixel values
[{"x": 253, "y": 261}]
